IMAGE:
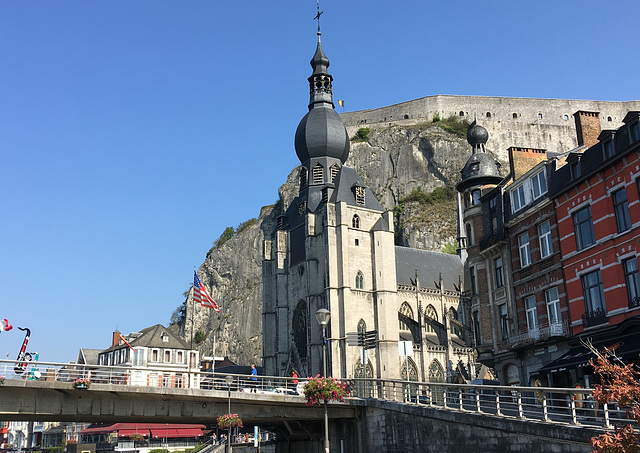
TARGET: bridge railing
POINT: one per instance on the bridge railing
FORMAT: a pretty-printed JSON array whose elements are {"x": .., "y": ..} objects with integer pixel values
[{"x": 566, "y": 405}]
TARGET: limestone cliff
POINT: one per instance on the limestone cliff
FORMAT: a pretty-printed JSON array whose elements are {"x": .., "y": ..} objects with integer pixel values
[{"x": 394, "y": 161}]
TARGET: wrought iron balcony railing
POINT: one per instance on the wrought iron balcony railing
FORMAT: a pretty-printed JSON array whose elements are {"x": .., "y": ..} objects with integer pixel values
[{"x": 595, "y": 317}]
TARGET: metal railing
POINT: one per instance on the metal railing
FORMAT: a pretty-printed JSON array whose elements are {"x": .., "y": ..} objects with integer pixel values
[{"x": 562, "y": 405}]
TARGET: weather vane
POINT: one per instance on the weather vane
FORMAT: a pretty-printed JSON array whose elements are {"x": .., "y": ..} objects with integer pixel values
[{"x": 318, "y": 15}]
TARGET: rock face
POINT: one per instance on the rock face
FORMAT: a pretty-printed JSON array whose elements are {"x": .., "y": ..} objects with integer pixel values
[{"x": 394, "y": 161}]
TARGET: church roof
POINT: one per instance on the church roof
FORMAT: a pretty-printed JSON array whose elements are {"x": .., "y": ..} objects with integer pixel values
[
  {"x": 346, "y": 179},
  {"x": 429, "y": 265}
]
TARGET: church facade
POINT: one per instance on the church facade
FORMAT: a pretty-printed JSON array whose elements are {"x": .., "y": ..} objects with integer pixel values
[{"x": 333, "y": 248}]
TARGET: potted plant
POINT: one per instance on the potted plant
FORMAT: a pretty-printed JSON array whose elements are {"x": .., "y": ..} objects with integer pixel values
[
  {"x": 229, "y": 421},
  {"x": 82, "y": 383},
  {"x": 1, "y": 380},
  {"x": 136, "y": 437},
  {"x": 320, "y": 388}
]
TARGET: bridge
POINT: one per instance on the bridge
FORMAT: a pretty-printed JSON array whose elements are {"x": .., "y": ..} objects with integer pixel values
[{"x": 379, "y": 416}]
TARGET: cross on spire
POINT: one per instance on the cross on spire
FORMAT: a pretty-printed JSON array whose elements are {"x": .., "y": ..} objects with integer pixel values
[{"x": 318, "y": 15}]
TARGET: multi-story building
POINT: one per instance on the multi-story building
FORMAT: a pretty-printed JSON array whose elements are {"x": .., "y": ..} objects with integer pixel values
[{"x": 597, "y": 200}]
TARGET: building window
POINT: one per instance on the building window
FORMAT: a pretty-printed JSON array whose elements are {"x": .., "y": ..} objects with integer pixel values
[
  {"x": 430, "y": 315},
  {"x": 488, "y": 114},
  {"x": 504, "y": 322},
  {"x": 406, "y": 311},
  {"x": 304, "y": 176},
  {"x": 359, "y": 280},
  {"x": 318, "y": 174},
  {"x": 360, "y": 195},
  {"x": 461, "y": 113},
  {"x": 584, "y": 228},
  {"x": 532, "y": 312},
  {"x": 476, "y": 328},
  {"x": 593, "y": 295},
  {"x": 539, "y": 116},
  {"x": 472, "y": 278},
  {"x": 154, "y": 355},
  {"x": 469, "y": 234},
  {"x": 333, "y": 171},
  {"x": 539, "y": 182},
  {"x": 518, "y": 198},
  {"x": 515, "y": 115},
  {"x": 179, "y": 357},
  {"x": 634, "y": 129},
  {"x": 299, "y": 328},
  {"x": 544, "y": 236},
  {"x": 553, "y": 306},
  {"x": 475, "y": 197},
  {"x": 525, "y": 250},
  {"x": 621, "y": 209},
  {"x": 575, "y": 169},
  {"x": 497, "y": 264},
  {"x": 167, "y": 356},
  {"x": 355, "y": 221},
  {"x": 608, "y": 149},
  {"x": 357, "y": 242},
  {"x": 632, "y": 279}
]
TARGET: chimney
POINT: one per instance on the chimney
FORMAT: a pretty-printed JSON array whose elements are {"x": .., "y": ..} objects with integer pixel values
[
  {"x": 116, "y": 338},
  {"x": 522, "y": 160},
  {"x": 587, "y": 127}
]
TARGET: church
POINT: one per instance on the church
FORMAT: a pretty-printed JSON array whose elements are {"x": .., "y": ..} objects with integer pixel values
[{"x": 333, "y": 248}]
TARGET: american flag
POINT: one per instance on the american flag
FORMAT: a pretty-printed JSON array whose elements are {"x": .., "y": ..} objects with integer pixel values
[{"x": 201, "y": 295}]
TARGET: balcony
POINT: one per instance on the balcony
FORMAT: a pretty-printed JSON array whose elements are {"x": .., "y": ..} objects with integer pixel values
[
  {"x": 540, "y": 333},
  {"x": 595, "y": 317}
]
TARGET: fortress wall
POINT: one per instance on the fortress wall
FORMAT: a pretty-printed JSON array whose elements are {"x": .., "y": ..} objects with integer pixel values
[{"x": 523, "y": 122}]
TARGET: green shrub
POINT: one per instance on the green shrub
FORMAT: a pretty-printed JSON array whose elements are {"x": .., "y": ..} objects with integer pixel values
[
  {"x": 362, "y": 135},
  {"x": 436, "y": 117},
  {"x": 450, "y": 248},
  {"x": 200, "y": 336},
  {"x": 244, "y": 225},
  {"x": 453, "y": 125}
]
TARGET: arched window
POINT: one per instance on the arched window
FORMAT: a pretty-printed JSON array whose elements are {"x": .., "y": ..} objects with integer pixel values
[
  {"x": 405, "y": 309},
  {"x": 409, "y": 373},
  {"x": 363, "y": 389},
  {"x": 318, "y": 174},
  {"x": 430, "y": 314},
  {"x": 515, "y": 116},
  {"x": 406, "y": 117},
  {"x": 355, "y": 222},
  {"x": 436, "y": 372},
  {"x": 609, "y": 118},
  {"x": 488, "y": 114},
  {"x": 453, "y": 327},
  {"x": 461, "y": 113},
  {"x": 304, "y": 176},
  {"x": 362, "y": 326},
  {"x": 333, "y": 171},
  {"x": 359, "y": 280},
  {"x": 299, "y": 329}
]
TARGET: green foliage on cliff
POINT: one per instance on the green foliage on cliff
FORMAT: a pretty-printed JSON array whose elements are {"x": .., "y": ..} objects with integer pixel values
[
  {"x": 199, "y": 337},
  {"x": 450, "y": 248},
  {"x": 230, "y": 232},
  {"x": 362, "y": 135},
  {"x": 244, "y": 225},
  {"x": 453, "y": 125},
  {"x": 439, "y": 195},
  {"x": 427, "y": 208}
]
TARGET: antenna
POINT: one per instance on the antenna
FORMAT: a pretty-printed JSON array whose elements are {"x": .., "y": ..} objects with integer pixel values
[{"x": 318, "y": 15}]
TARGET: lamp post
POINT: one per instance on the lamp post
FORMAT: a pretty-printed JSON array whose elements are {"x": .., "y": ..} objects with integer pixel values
[
  {"x": 322, "y": 316},
  {"x": 229, "y": 381}
]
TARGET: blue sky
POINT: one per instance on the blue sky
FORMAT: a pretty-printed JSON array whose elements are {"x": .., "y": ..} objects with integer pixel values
[{"x": 133, "y": 133}]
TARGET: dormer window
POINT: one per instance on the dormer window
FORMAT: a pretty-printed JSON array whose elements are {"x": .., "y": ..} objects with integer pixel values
[
  {"x": 634, "y": 130},
  {"x": 575, "y": 169},
  {"x": 318, "y": 174},
  {"x": 539, "y": 183},
  {"x": 475, "y": 167},
  {"x": 165, "y": 337},
  {"x": 608, "y": 149},
  {"x": 359, "y": 193}
]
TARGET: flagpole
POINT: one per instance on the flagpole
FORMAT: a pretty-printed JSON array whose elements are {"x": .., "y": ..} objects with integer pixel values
[{"x": 193, "y": 309}]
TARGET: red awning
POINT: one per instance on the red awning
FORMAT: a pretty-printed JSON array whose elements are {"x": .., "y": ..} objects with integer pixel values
[
  {"x": 129, "y": 432},
  {"x": 175, "y": 432}
]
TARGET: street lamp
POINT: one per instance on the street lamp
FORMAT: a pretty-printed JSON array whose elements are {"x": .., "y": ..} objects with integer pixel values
[
  {"x": 229, "y": 381},
  {"x": 322, "y": 316}
]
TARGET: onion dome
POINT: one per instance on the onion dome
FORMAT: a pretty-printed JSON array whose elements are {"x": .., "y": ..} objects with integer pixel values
[
  {"x": 321, "y": 133},
  {"x": 477, "y": 135},
  {"x": 481, "y": 168}
]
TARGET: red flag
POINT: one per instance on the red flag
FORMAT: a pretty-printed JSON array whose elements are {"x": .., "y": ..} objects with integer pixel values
[
  {"x": 126, "y": 342},
  {"x": 201, "y": 295}
]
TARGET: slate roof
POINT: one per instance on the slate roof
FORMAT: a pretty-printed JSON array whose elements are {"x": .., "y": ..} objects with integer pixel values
[
  {"x": 88, "y": 356},
  {"x": 151, "y": 337},
  {"x": 429, "y": 265},
  {"x": 345, "y": 180}
]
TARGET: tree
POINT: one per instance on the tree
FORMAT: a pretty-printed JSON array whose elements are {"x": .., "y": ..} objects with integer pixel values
[{"x": 619, "y": 383}]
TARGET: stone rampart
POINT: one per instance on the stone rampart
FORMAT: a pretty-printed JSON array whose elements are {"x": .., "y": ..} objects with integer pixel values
[{"x": 524, "y": 122}]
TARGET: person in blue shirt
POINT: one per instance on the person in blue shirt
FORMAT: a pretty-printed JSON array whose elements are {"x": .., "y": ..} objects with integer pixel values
[{"x": 254, "y": 378}]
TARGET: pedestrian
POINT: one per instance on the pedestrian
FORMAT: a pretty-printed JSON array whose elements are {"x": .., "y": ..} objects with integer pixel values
[
  {"x": 294, "y": 381},
  {"x": 254, "y": 378}
]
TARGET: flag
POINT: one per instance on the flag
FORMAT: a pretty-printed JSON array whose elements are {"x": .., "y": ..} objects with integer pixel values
[
  {"x": 341, "y": 102},
  {"x": 201, "y": 295},
  {"x": 126, "y": 342}
]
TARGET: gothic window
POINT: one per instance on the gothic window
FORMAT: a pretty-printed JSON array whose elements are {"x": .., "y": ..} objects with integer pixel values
[
  {"x": 430, "y": 314},
  {"x": 363, "y": 389},
  {"x": 362, "y": 326},
  {"x": 453, "y": 315},
  {"x": 304, "y": 176},
  {"x": 359, "y": 192},
  {"x": 299, "y": 329},
  {"x": 405, "y": 309},
  {"x": 359, "y": 280},
  {"x": 333, "y": 171},
  {"x": 409, "y": 373},
  {"x": 355, "y": 222},
  {"x": 436, "y": 372},
  {"x": 318, "y": 174}
]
